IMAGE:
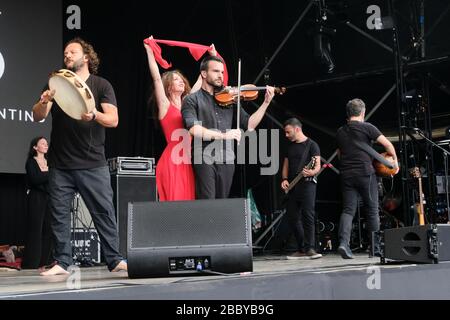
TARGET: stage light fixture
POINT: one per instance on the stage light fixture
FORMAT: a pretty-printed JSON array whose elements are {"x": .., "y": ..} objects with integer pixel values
[
  {"x": 322, "y": 39},
  {"x": 322, "y": 48}
]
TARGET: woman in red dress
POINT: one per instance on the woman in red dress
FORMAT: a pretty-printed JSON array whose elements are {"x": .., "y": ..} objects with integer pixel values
[{"x": 174, "y": 173}]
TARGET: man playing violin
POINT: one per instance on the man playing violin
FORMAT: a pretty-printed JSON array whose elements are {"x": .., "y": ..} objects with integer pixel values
[
  {"x": 207, "y": 122},
  {"x": 77, "y": 160}
]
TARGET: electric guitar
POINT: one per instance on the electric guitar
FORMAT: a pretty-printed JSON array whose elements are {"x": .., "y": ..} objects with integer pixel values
[
  {"x": 415, "y": 172},
  {"x": 300, "y": 176}
]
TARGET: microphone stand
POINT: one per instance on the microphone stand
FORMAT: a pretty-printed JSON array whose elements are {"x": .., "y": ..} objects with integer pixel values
[{"x": 445, "y": 154}]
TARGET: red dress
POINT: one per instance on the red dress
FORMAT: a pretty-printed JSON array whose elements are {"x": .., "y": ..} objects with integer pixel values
[{"x": 174, "y": 173}]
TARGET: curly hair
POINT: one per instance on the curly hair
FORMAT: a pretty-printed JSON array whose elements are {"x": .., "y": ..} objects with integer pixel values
[{"x": 88, "y": 50}]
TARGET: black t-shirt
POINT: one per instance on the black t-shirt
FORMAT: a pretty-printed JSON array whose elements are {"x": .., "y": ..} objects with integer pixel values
[
  {"x": 354, "y": 161},
  {"x": 77, "y": 144},
  {"x": 295, "y": 153}
]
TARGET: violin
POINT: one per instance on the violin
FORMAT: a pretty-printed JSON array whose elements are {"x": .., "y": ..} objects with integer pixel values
[{"x": 229, "y": 95}]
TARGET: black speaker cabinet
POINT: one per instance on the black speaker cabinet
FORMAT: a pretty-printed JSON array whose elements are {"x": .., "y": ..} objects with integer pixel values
[
  {"x": 130, "y": 188},
  {"x": 425, "y": 244},
  {"x": 185, "y": 237}
]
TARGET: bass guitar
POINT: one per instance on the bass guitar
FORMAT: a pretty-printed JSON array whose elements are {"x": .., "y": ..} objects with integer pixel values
[{"x": 300, "y": 176}]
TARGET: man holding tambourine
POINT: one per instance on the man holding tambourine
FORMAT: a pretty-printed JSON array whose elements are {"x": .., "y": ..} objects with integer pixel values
[{"x": 82, "y": 105}]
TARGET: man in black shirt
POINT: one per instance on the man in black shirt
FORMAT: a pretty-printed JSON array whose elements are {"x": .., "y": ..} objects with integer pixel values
[
  {"x": 208, "y": 122},
  {"x": 77, "y": 160},
  {"x": 357, "y": 172},
  {"x": 302, "y": 197}
]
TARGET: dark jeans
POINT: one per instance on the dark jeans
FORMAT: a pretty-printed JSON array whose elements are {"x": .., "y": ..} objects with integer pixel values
[
  {"x": 301, "y": 214},
  {"x": 367, "y": 188},
  {"x": 94, "y": 185},
  {"x": 213, "y": 181}
]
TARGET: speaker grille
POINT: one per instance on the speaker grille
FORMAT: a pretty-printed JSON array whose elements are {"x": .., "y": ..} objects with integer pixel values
[
  {"x": 198, "y": 223},
  {"x": 130, "y": 188}
]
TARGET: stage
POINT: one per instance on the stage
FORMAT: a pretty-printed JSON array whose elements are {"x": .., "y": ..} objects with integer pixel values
[{"x": 273, "y": 278}]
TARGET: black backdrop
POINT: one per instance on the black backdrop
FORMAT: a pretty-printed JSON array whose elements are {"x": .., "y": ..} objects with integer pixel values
[{"x": 250, "y": 30}]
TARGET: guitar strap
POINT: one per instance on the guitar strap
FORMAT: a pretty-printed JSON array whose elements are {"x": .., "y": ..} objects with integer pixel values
[
  {"x": 302, "y": 163},
  {"x": 368, "y": 149}
]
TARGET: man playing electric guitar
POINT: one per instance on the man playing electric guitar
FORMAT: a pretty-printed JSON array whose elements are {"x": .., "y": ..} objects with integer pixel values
[{"x": 302, "y": 197}]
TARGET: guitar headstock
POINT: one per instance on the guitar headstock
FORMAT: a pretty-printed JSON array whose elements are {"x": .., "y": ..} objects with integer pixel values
[
  {"x": 311, "y": 163},
  {"x": 415, "y": 172}
]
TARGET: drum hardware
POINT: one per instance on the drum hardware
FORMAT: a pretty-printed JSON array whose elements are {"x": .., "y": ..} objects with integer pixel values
[{"x": 84, "y": 236}]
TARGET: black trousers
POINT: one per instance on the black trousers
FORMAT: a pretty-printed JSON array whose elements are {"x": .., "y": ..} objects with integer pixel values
[
  {"x": 94, "y": 185},
  {"x": 367, "y": 188},
  {"x": 213, "y": 181},
  {"x": 301, "y": 214},
  {"x": 39, "y": 239}
]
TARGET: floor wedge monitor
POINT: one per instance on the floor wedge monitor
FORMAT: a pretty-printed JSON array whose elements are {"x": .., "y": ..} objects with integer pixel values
[
  {"x": 188, "y": 237},
  {"x": 428, "y": 243}
]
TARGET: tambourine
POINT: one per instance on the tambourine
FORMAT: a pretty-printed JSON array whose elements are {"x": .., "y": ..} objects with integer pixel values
[{"x": 71, "y": 93}]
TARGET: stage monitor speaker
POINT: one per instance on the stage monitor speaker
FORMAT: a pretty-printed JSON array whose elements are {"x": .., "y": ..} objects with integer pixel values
[
  {"x": 130, "y": 188},
  {"x": 424, "y": 244},
  {"x": 185, "y": 237}
]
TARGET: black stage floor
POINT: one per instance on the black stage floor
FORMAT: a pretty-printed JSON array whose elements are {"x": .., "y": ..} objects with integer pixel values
[{"x": 274, "y": 278}]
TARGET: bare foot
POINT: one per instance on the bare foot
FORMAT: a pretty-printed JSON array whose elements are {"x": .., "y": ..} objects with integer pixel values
[
  {"x": 47, "y": 267},
  {"x": 122, "y": 266},
  {"x": 56, "y": 270}
]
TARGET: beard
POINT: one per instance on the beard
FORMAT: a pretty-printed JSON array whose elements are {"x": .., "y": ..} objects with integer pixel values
[
  {"x": 215, "y": 85},
  {"x": 77, "y": 65}
]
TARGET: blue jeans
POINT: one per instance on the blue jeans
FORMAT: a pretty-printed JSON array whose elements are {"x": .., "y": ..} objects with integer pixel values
[{"x": 94, "y": 185}]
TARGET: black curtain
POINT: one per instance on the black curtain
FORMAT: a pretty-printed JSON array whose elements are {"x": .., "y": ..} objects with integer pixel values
[{"x": 239, "y": 29}]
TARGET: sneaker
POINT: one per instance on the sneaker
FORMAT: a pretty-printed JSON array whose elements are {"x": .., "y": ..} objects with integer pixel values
[
  {"x": 297, "y": 256},
  {"x": 312, "y": 254},
  {"x": 345, "y": 251}
]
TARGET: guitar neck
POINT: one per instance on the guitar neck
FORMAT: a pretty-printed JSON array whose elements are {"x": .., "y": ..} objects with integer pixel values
[
  {"x": 421, "y": 208},
  {"x": 294, "y": 182}
]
